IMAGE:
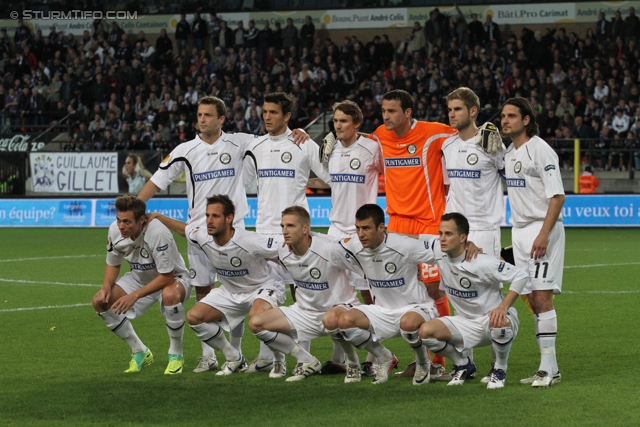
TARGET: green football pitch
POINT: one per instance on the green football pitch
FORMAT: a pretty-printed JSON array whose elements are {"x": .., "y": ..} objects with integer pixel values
[{"x": 63, "y": 367}]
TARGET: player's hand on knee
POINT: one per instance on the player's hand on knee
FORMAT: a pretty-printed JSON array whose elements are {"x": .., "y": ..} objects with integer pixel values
[
  {"x": 327, "y": 146},
  {"x": 489, "y": 138},
  {"x": 497, "y": 317},
  {"x": 124, "y": 304}
]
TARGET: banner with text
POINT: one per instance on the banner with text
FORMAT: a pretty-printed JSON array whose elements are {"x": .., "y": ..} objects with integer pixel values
[
  {"x": 74, "y": 172},
  {"x": 578, "y": 211}
]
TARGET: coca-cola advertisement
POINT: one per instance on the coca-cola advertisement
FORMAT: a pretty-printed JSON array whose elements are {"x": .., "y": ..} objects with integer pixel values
[{"x": 19, "y": 143}]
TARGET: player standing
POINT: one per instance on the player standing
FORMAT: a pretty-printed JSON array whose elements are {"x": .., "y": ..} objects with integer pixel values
[
  {"x": 536, "y": 195},
  {"x": 282, "y": 172},
  {"x": 158, "y": 274},
  {"x": 414, "y": 183},
  {"x": 482, "y": 317}
]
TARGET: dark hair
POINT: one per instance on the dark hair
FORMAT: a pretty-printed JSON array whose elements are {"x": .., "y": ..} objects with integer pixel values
[
  {"x": 349, "y": 108},
  {"x": 462, "y": 224},
  {"x": 281, "y": 99},
  {"x": 372, "y": 211},
  {"x": 217, "y": 102},
  {"x": 525, "y": 110},
  {"x": 228, "y": 208},
  {"x": 298, "y": 211},
  {"x": 133, "y": 204},
  {"x": 403, "y": 96}
]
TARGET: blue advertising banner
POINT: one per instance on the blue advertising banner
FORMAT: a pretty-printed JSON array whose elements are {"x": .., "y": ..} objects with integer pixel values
[{"x": 578, "y": 211}]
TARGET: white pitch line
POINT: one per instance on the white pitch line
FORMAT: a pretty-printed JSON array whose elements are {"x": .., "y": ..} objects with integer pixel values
[
  {"x": 35, "y": 282},
  {"x": 46, "y": 307},
  {"x": 48, "y": 257},
  {"x": 601, "y": 265}
]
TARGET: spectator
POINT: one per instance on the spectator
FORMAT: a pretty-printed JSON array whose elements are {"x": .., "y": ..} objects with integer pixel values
[
  {"x": 289, "y": 35},
  {"x": 198, "y": 31},
  {"x": 588, "y": 182},
  {"x": 183, "y": 29}
]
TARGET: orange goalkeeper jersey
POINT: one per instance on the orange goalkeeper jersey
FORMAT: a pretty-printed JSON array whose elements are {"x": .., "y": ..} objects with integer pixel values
[{"x": 414, "y": 174}]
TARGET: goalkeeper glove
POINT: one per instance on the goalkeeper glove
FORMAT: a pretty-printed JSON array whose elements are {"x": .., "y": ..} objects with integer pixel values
[
  {"x": 327, "y": 146},
  {"x": 489, "y": 138}
]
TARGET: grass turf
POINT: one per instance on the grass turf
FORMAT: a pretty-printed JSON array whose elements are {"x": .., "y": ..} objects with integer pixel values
[{"x": 62, "y": 366}]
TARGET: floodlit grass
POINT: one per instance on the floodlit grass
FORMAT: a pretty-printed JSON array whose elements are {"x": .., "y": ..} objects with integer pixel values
[{"x": 63, "y": 367}]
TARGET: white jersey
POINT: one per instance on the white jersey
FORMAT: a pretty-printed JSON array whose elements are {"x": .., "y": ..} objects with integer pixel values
[
  {"x": 209, "y": 169},
  {"x": 475, "y": 180},
  {"x": 474, "y": 286},
  {"x": 154, "y": 252},
  {"x": 392, "y": 269},
  {"x": 320, "y": 284},
  {"x": 533, "y": 178},
  {"x": 282, "y": 170},
  {"x": 241, "y": 263},
  {"x": 354, "y": 174}
]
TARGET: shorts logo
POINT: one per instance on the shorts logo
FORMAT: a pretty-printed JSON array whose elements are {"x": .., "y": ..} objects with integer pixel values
[
  {"x": 192, "y": 273},
  {"x": 286, "y": 157},
  {"x": 411, "y": 149},
  {"x": 549, "y": 167},
  {"x": 354, "y": 164},
  {"x": 501, "y": 267},
  {"x": 465, "y": 283},
  {"x": 517, "y": 167},
  {"x": 162, "y": 248},
  {"x": 225, "y": 158},
  {"x": 472, "y": 159},
  {"x": 144, "y": 253},
  {"x": 390, "y": 267},
  {"x": 315, "y": 273},
  {"x": 236, "y": 262}
]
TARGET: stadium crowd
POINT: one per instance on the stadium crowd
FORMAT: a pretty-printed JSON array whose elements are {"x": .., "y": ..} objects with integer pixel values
[{"x": 123, "y": 92}]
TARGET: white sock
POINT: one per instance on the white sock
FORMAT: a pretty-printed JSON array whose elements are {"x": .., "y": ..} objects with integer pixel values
[
  {"x": 338, "y": 354},
  {"x": 213, "y": 335},
  {"x": 235, "y": 336},
  {"x": 365, "y": 340},
  {"x": 306, "y": 345},
  {"x": 501, "y": 340},
  {"x": 265, "y": 352},
  {"x": 415, "y": 343},
  {"x": 445, "y": 349},
  {"x": 347, "y": 349},
  {"x": 175, "y": 327},
  {"x": 546, "y": 334},
  {"x": 371, "y": 358},
  {"x": 285, "y": 344},
  {"x": 207, "y": 351},
  {"x": 468, "y": 352},
  {"x": 120, "y": 325}
]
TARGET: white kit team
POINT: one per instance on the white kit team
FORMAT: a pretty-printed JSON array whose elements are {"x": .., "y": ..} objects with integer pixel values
[{"x": 326, "y": 272}]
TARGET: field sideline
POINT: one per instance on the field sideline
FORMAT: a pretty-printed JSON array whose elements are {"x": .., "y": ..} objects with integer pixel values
[{"x": 63, "y": 367}]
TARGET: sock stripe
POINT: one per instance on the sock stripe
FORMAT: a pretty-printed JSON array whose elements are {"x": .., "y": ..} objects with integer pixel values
[
  {"x": 546, "y": 334},
  {"x": 363, "y": 342},
  {"x": 213, "y": 337},
  {"x": 272, "y": 339},
  {"x": 119, "y": 325},
  {"x": 502, "y": 344},
  {"x": 175, "y": 329}
]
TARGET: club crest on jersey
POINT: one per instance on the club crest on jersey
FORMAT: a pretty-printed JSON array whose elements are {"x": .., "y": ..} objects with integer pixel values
[
  {"x": 192, "y": 273},
  {"x": 472, "y": 159},
  {"x": 390, "y": 267},
  {"x": 225, "y": 158},
  {"x": 286, "y": 157},
  {"x": 236, "y": 262},
  {"x": 517, "y": 167},
  {"x": 465, "y": 283},
  {"x": 144, "y": 253},
  {"x": 411, "y": 149},
  {"x": 315, "y": 273},
  {"x": 354, "y": 164}
]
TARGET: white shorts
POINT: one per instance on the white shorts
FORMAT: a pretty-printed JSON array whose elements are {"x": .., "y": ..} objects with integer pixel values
[
  {"x": 306, "y": 325},
  {"x": 129, "y": 284},
  {"x": 235, "y": 307},
  {"x": 200, "y": 268},
  {"x": 356, "y": 280},
  {"x": 545, "y": 273},
  {"x": 385, "y": 322},
  {"x": 476, "y": 332},
  {"x": 488, "y": 240}
]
